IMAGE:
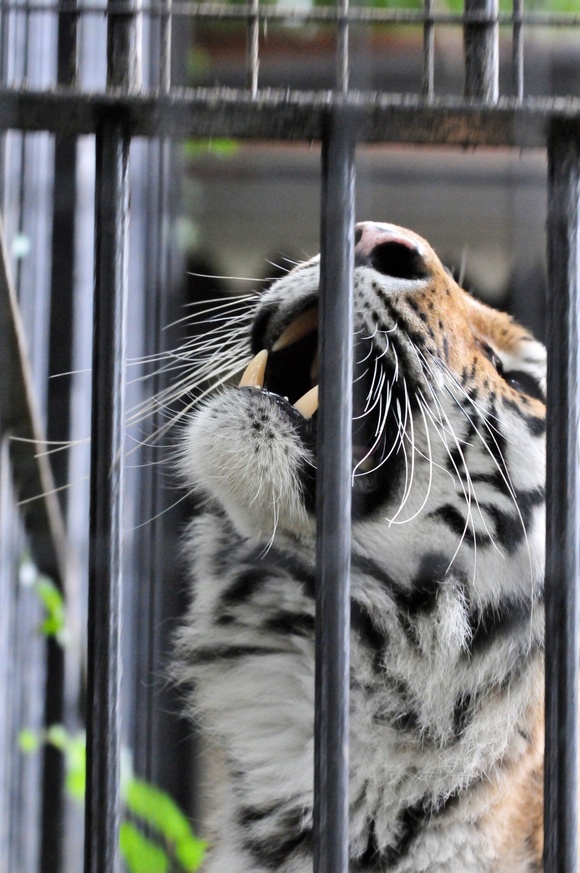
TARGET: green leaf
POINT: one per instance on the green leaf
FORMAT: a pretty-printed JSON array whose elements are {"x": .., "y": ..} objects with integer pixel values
[
  {"x": 159, "y": 811},
  {"x": 28, "y": 741},
  {"x": 52, "y": 600},
  {"x": 222, "y": 147},
  {"x": 141, "y": 855},
  {"x": 76, "y": 767},
  {"x": 190, "y": 853},
  {"x": 75, "y": 754},
  {"x": 58, "y": 736}
]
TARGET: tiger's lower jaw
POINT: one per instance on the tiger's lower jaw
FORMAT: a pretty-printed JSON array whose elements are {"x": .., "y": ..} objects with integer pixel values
[
  {"x": 266, "y": 478},
  {"x": 262, "y": 464}
]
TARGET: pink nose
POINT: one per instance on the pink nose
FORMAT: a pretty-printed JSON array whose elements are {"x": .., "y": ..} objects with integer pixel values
[
  {"x": 368, "y": 235},
  {"x": 389, "y": 251}
]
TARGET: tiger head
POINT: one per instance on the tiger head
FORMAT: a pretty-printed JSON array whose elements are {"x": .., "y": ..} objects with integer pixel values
[{"x": 448, "y": 427}]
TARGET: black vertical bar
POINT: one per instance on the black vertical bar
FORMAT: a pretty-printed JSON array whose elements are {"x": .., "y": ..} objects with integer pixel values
[
  {"x": 481, "y": 50},
  {"x": 334, "y": 497},
  {"x": 105, "y": 555},
  {"x": 107, "y": 454},
  {"x": 428, "y": 51},
  {"x": 563, "y": 502},
  {"x": 152, "y": 558},
  {"x": 123, "y": 49},
  {"x": 58, "y": 419}
]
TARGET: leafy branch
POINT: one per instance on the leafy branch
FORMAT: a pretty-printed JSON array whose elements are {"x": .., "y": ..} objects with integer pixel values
[{"x": 155, "y": 835}]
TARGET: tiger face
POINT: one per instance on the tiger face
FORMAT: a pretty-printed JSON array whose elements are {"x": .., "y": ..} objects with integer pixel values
[
  {"x": 448, "y": 426},
  {"x": 447, "y": 624}
]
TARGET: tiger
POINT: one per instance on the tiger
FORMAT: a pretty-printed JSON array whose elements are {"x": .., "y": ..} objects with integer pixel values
[{"x": 447, "y": 569}]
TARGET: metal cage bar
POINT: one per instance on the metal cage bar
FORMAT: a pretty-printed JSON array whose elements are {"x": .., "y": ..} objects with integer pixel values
[
  {"x": 481, "y": 47},
  {"x": 107, "y": 456},
  {"x": 518, "y": 51},
  {"x": 562, "y": 502},
  {"x": 334, "y": 443},
  {"x": 253, "y": 48},
  {"x": 428, "y": 52},
  {"x": 291, "y": 116},
  {"x": 61, "y": 340},
  {"x": 105, "y": 558}
]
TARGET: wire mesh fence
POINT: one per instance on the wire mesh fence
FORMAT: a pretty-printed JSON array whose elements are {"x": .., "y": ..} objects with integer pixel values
[{"x": 81, "y": 83}]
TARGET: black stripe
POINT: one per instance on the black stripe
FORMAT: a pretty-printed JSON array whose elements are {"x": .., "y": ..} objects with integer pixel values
[
  {"x": 456, "y": 522},
  {"x": 375, "y": 571},
  {"x": 373, "y": 637},
  {"x": 504, "y": 619},
  {"x": 406, "y": 718},
  {"x": 510, "y": 528},
  {"x": 208, "y": 654},
  {"x": 275, "y": 559},
  {"x": 289, "y": 837},
  {"x": 371, "y": 857},
  {"x": 299, "y": 624},
  {"x": 456, "y": 461},
  {"x": 245, "y": 585},
  {"x": 399, "y": 320},
  {"x": 495, "y": 441},
  {"x": 535, "y": 424},
  {"x": 421, "y": 597},
  {"x": 249, "y": 815},
  {"x": 411, "y": 822},
  {"x": 494, "y": 480},
  {"x": 463, "y": 712}
]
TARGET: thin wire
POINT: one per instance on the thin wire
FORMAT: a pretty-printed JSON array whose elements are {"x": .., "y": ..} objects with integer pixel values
[
  {"x": 518, "y": 50},
  {"x": 428, "y": 51},
  {"x": 342, "y": 60},
  {"x": 253, "y": 47},
  {"x": 165, "y": 37}
]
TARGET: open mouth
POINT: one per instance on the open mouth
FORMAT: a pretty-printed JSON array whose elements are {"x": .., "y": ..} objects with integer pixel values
[{"x": 288, "y": 372}]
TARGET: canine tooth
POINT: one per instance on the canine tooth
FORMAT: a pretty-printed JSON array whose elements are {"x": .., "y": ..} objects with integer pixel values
[
  {"x": 303, "y": 324},
  {"x": 308, "y": 403},
  {"x": 253, "y": 376}
]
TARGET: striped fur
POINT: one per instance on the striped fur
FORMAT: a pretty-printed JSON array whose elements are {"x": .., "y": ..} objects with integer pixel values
[{"x": 447, "y": 581}]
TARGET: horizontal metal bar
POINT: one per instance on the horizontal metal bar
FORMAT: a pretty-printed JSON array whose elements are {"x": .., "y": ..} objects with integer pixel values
[
  {"x": 287, "y": 115},
  {"x": 322, "y": 14},
  {"x": 20, "y": 420}
]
